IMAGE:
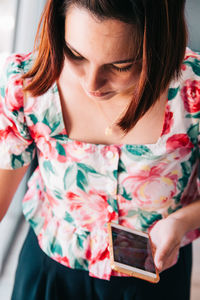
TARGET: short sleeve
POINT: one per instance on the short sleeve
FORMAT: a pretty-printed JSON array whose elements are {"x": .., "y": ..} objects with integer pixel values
[{"x": 17, "y": 148}]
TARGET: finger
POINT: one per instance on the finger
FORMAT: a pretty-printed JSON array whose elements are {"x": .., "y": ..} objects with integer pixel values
[
  {"x": 167, "y": 257},
  {"x": 162, "y": 254}
]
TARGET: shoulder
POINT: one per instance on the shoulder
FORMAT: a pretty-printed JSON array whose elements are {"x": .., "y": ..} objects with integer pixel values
[
  {"x": 18, "y": 63},
  {"x": 14, "y": 67},
  {"x": 11, "y": 83},
  {"x": 190, "y": 83},
  {"x": 191, "y": 64}
]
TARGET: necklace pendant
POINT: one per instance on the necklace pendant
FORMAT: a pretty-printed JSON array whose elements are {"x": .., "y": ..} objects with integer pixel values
[{"x": 108, "y": 131}]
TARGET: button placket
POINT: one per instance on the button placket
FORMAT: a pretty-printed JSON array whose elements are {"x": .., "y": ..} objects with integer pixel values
[
  {"x": 111, "y": 165},
  {"x": 109, "y": 154}
]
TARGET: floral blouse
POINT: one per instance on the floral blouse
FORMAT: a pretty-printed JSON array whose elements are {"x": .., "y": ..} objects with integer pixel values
[{"x": 78, "y": 187}]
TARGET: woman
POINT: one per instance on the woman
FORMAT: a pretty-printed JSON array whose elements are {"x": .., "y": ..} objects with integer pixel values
[{"x": 110, "y": 102}]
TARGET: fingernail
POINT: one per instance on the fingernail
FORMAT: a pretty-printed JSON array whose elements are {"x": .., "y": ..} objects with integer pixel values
[{"x": 160, "y": 266}]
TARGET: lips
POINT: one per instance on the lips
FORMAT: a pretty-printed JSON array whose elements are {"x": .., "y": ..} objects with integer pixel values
[{"x": 97, "y": 94}]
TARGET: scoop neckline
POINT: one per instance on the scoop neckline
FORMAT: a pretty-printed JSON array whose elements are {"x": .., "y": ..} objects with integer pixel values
[{"x": 117, "y": 145}]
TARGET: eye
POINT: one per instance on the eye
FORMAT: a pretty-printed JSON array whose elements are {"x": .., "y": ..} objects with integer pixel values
[
  {"x": 72, "y": 54},
  {"x": 124, "y": 69}
]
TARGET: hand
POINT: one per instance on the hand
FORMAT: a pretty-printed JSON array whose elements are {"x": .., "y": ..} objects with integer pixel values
[{"x": 166, "y": 236}]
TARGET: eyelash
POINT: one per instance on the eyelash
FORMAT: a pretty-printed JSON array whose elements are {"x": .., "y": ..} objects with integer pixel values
[
  {"x": 72, "y": 56},
  {"x": 125, "y": 69}
]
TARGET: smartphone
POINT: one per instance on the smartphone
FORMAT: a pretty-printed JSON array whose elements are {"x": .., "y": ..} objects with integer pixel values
[{"x": 131, "y": 253}]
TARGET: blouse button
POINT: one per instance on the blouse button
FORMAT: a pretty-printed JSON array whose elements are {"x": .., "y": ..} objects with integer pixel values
[
  {"x": 109, "y": 154},
  {"x": 110, "y": 209}
]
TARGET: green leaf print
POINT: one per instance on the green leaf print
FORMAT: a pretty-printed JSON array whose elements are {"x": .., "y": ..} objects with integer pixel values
[
  {"x": 195, "y": 65},
  {"x": 113, "y": 203},
  {"x": 186, "y": 171},
  {"x": 81, "y": 180},
  {"x": 30, "y": 150},
  {"x": 25, "y": 65},
  {"x": 48, "y": 167},
  {"x": 193, "y": 132},
  {"x": 177, "y": 198},
  {"x": 15, "y": 113},
  {"x": 34, "y": 224},
  {"x": 81, "y": 264},
  {"x": 194, "y": 116},
  {"x": 126, "y": 195},
  {"x": 68, "y": 218},
  {"x": 194, "y": 156},
  {"x": 28, "y": 211},
  {"x": 81, "y": 238},
  {"x": 121, "y": 167},
  {"x": 60, "y": 137},
  {"x": 186, "y": 168},
  {"x": 87, "y": 168},
  {"x": 2, "y": 91},
  {"x": 55, "y": 122},
  {"x": 58, "y": 194},
  {"x": 46, "y": 118},
  {"x": 80, "y": 241},
  {"x": 56, "y": 248},
  {"x": 12, "y": 69},
  {"x": 132, "y": 213},
  {"x": 115, "y": 174},
  {"x": 69, "y": 176},
  {"x": 182, "y": 182},
  {"x": 16, "y": 161},
  {"x": 148, "y": 218},
  {"x": 33, "y": 119},
  {"x": 138, "y": 150},
  {"x": 172, "y": 210},
  {"x": 60, "y": 149},
  {"x": 55, "y": 125},
  {"x": 172, "y": 93}
]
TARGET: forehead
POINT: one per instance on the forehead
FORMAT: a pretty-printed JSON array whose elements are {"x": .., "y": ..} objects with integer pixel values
[{"x": 89, "y": 35}]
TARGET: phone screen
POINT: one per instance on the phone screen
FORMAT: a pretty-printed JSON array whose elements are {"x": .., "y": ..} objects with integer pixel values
[{"x": 132, "y": 250}]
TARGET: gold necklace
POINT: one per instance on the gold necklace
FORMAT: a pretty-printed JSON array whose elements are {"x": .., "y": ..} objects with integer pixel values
[{"x": 109, "y": 128}]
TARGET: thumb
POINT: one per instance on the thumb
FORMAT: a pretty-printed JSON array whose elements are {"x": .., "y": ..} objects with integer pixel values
[{"x": 160, "y": 256}]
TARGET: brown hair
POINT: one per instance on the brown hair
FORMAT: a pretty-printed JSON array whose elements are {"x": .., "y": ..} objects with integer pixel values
[{"x": 160, "y": 30}]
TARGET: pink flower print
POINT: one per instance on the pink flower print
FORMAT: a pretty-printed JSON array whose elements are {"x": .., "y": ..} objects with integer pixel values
[
  {"x": 78, "y": 151},
  {"x": 152, "y": 188},
  {"x": 18, "y": 58},
  {"x": 61, "y": 259},
  {"x": 190, "y": 236},
  {"x": 190, "y": 94},
  {"x": 180, "y": 142},
  {"x": 40, "y": 133},
  {"x": 190, "y": 54},
  {"x": 168, "y": 121},
  {"x": 40, "y": 130},
  {"x": 183, "y": 67},
  {"x": 15, "y": 145},
  {"x": 29, "y": 105},
  {"x": 90, "y": 209},
  {"x": 99, "y": 253},
  {"x": 14, "y": 95}
]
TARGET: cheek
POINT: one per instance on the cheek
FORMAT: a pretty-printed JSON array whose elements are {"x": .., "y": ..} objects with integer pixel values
[
  {"x": 74, "y": 68},
  {"x": 123, "y": 82}
]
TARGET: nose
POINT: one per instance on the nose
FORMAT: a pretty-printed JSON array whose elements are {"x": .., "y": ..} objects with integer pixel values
[{"x": 94, "y": 79}]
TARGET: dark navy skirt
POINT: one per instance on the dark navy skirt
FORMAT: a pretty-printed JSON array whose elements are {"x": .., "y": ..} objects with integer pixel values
[{"x": 38, "y": 277}]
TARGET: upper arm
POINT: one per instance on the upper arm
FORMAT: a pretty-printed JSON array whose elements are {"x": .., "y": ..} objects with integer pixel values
[
  {"x": 9, "y": 181},
  {"x": 17, "y": 146}
]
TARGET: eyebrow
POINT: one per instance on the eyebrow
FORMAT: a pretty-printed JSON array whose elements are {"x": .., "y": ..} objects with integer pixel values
[{"x": 124, "y": 61}]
